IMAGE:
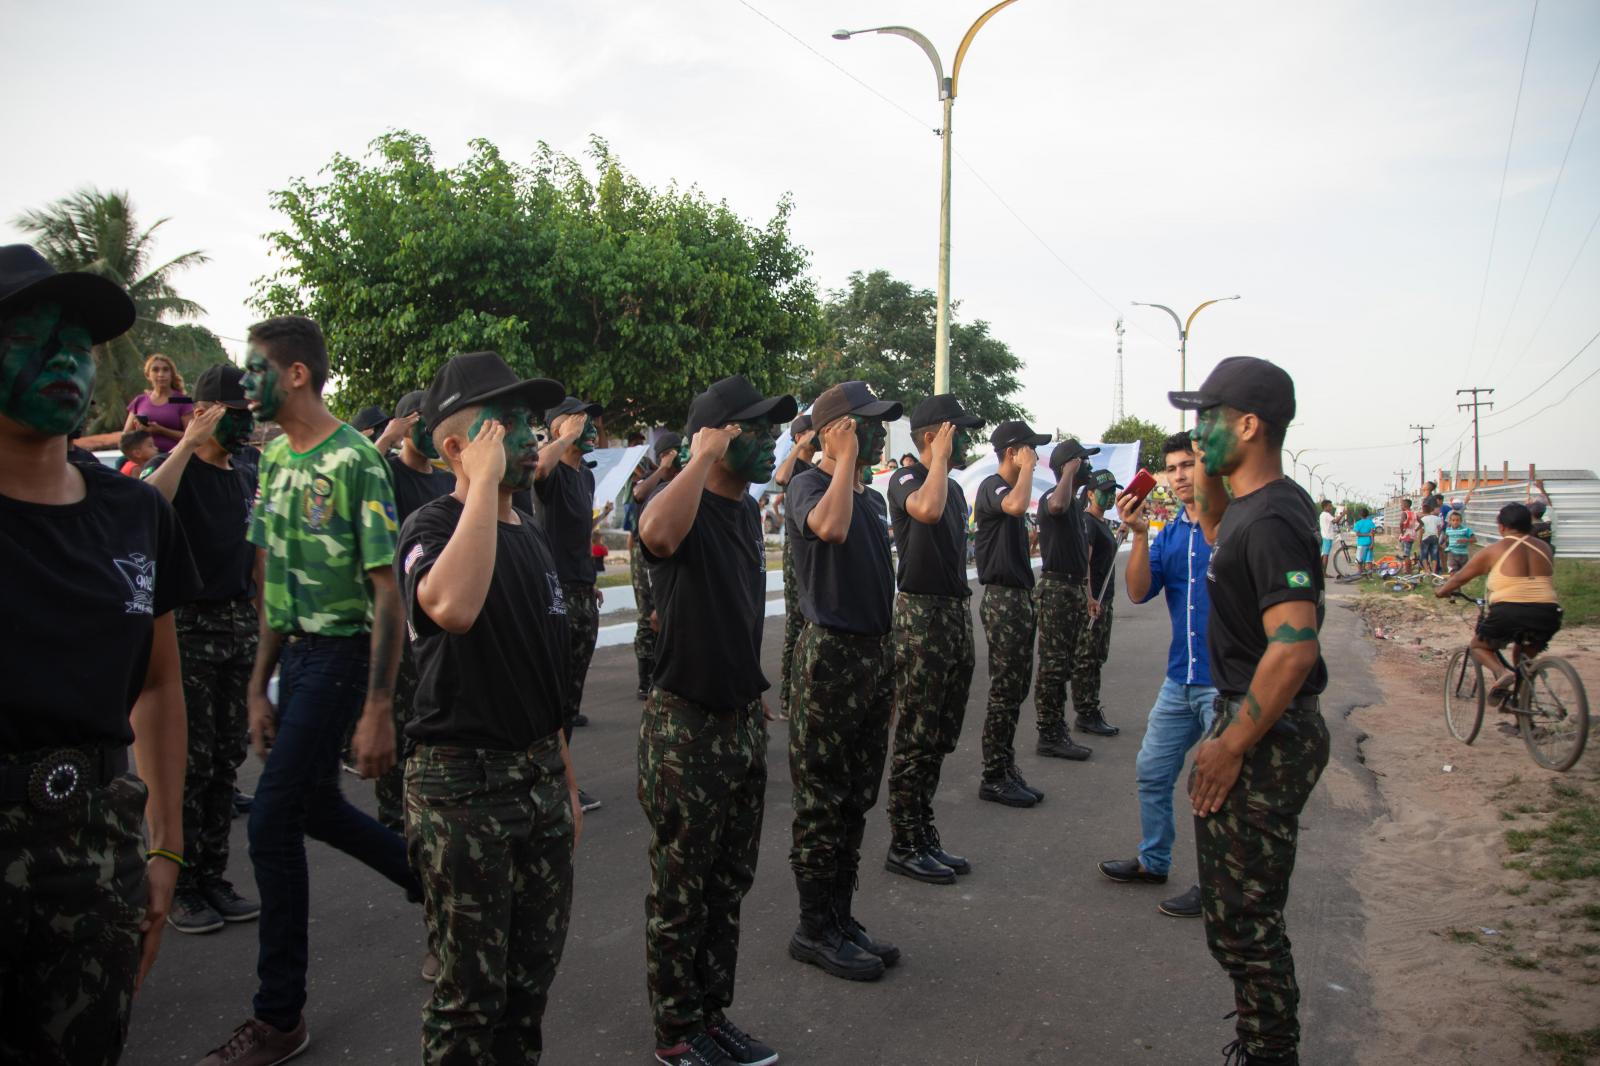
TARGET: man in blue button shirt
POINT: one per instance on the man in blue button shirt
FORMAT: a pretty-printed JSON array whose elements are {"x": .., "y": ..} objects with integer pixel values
[{"x": 1174, "y": 564}]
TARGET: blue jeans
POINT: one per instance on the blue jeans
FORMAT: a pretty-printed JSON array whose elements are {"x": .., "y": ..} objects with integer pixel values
[
  {"x": 1180, "y": 717},
  {"x": 322, "y": 683}
]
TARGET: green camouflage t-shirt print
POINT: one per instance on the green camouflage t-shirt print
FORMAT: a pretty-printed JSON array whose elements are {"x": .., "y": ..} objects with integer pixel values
[{"x": 325, "y": 518}]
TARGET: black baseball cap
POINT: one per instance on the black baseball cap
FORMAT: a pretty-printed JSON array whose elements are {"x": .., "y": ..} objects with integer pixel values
[
  {"x": 409, "y": 403},
  {"x": 1248, "y": 385},
  {"x": 667, "y": 442},
  {"x": 370, "y": 418},
  {"x": 942, "y": 408},
  {"x": 801, "y": 423},
  {"x": 1067, "y": 451},
  {"x": 1104, "y": 479},
  {"x": 220, "y": 384},
  {"x": 27, "y": 279},
  {"x": 852, "y": 398},
  {"x": 478, "y": 377},
  {"x": 1011, "y": 434},
  {"x": 734, "y": 399},
  {"x": 572, "y": 406}
]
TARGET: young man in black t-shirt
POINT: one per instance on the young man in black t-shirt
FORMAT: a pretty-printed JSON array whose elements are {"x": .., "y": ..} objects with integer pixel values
[
  {"x": 1268, "y": 744},
  {"x": 1094, "y": 638},
  {"x": 932, "y": 636},
  {"x": 216, "y": 636},
  {"x": 563, "y": 485},
  {"x": 492, "y": 810},
  {"x": 664, "y": 452},
  {"x": 1009, "y": 624},
  {"x": 843, "y": 694},
  {"x": 703, "y": 739},
  {"x": 1061, "y": 597},
  {"x": 82, "y": 550},
  {"x": 801, "y": 453}
]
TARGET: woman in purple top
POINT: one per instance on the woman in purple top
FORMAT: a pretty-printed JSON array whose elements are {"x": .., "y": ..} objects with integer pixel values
[{"x": 163, "y": 409}]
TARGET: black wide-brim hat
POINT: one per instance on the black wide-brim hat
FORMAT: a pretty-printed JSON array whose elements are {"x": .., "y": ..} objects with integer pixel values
[
  {"x": 477, "y": 378},
  {"x": 27, "y": 279}
]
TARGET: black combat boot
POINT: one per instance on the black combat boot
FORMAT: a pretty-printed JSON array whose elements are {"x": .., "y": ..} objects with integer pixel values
[
  {"x": 1057, "y": 743},
  {"x": 1016, "y": 778},
  {"x": 908, "y": 857},
  {"x": 820, "y": 941},
  {"x": 1004, "y": 790},
  {"x": 932, "y": 848},
  {"x": 1095, "y": 722},
  {"x": 647, "y": 669},
  {"x": 844, "y": 890}
]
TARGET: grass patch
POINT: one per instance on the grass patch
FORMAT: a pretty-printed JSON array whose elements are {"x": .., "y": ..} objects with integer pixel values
[
  {"x": 1530, "y": 996},
  {"x": 1517, "y": 890},
  {"x": 1522, "y": 962},
  {"x": 1462, "y": 936},
  {"x": 1590, "y": 913},
  {"x": 1570, "y": 1048},
  {"x": 1578, "y": 586},
  {"x": 1565, "y": 848}
]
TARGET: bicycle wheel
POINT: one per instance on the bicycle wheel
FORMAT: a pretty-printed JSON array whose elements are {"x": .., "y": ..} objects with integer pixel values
[
  {"x": 1463, "y": 696},
  {"x": 1554, "y": 714},
  {"x": 1344, "y": 563}
]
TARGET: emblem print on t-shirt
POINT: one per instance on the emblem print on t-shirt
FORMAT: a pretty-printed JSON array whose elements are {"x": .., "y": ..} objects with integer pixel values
[
  {"x": 140, "y": 574},
  {"x": 319, "y": 502},
  {"x": 558, "y": 598}
]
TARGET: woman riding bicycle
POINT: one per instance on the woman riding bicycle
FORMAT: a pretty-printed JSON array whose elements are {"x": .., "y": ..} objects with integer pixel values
[{"x": 1521, "y": 594}]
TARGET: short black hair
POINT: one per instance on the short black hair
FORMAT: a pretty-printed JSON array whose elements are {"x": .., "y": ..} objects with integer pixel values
[
  {"x": 1178, "y": 442},
  {"x": 1516, "y": 517},
  {"x": 1276, "y": 434},
  {"x": 133, "y": 438},
  {"x": 1406, "y": 503},
  {"x": 290, "y": 339}
]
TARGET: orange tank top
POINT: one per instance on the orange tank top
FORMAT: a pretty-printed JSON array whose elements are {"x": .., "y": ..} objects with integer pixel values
[{"x": 1508, "y": 588}]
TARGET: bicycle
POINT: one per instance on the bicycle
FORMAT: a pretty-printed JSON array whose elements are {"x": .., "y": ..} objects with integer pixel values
[
  {"x": 1407, "y": 582},
  {"x": 1342, "y": 559},
  {"x": 1547, "y": 697}
]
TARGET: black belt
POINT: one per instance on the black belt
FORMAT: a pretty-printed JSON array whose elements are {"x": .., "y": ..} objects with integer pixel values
[
  {"x": 1051, "y": 575},
  {"x": 316, "y": 638},
  {"x": 1299, "y": 703},
  {"x": 50, "y": 781}
]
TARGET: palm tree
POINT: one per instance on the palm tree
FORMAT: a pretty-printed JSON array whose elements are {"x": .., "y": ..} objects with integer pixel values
[{"x": 95, "y": 232}]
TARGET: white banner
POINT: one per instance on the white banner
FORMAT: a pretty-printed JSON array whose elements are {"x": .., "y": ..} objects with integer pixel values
[{"x": 612, "y": 468}]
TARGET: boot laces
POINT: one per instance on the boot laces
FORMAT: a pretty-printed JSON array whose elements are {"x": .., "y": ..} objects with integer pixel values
[{"x": 731, "y": 1033}]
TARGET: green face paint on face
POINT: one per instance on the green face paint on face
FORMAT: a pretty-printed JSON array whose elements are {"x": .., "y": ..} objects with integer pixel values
[
  {"x": 1104, "y": 498},
  {"x": 422, "y": 440},
  {"x": 870, "y": 435},
  {"x": 234, "y": 430},
  {"x": 520, "y": 442},
  {"x": 587, "y": 438},
  {"x": 262, "y": 385},
  {"x": 46, "y": 370},
  {"x": 960, "y": 445},
  {"x": 1216, "y": 441},
  {"x": 753, "y": 455}
]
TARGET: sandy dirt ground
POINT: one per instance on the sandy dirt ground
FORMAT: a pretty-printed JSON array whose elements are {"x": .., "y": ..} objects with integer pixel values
[{"x": 1472, "y": 959}]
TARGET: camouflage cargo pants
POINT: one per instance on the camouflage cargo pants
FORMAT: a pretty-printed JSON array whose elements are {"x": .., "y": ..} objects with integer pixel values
[
  {"x": 217, "y": 643},
  {"x": 1246, "y": 854},
  {"x": 490, "y": 836},
  {"x": 793, "y": 622},
  {"x": 71, "y": 899},
  {"x": 644, "y": 638},
  {"x": 583, "y": 629},
  {"x": 390, "y": 789},
  {"x": 1094, "y": 645},
  {"x": 932, "y": 677},
  {"x": 1063, "y": 608},
  {"x": 702, "y": 784},
  {"x": 1008, "y": 624},
  {"x": 841, "y": 701}
]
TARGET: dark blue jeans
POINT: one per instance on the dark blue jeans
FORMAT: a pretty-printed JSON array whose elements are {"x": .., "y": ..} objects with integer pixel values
[{"x": 322, "y": 683}]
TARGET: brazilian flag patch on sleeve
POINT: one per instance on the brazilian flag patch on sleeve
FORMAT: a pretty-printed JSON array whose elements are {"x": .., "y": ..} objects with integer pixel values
[{"x": 1299, "y": 579}]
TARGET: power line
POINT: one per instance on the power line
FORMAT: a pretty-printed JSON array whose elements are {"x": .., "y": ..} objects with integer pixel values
[
  {"x": 1548, "y": 406},
  {"x": 1551, "y": 378},
  {"x": 1539, "y": 234},
  {"x": 1505, "y": 169},
  {"x": 1560, "y": 288}
]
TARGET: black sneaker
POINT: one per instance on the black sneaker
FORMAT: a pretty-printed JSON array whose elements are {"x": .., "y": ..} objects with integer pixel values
[
  {"x": 1016, "y": 775},
  {"x": 242, "y": 802},
  {"x": 1130, "y": 871},
  {"x": 228, "y": 903},
  {"x": 739, "y": 1045},
  {"x": 587, "y": 802},
  {"x": 580, "y": 720},
  {"x": 1060, "y": 745},
  {"x": 918, "y": 865},
  {"x": 698, "y": 1050},
  {"x": 191, "y": 913},
  {"x": 1006, "y": 791},
  {"x": 1184, "y": 906}
]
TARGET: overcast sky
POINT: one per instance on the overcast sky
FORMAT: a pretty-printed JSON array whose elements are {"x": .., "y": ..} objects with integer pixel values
[{"x": 1338, "y": 165}]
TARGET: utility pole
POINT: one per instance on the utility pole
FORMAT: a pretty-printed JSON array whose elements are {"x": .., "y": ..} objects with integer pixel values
[
  {"x": 1477, "y": 459},
  {"x": 1422, "y": 454},
  {"x": 1401, "y": 474},
  {"x": 1116, "y": 400}
]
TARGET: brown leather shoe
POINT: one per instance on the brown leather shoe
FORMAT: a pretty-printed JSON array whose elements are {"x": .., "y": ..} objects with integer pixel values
[{"x": 255, "y": 1043}]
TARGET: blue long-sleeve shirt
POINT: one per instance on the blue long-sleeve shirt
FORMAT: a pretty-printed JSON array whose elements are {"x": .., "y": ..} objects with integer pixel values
[{"x": 1179, "y": 557}]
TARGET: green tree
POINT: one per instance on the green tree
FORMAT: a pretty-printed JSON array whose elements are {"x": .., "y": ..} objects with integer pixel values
[
  {"x": 1131, "y": 428},
  {"x": 880, "y": 330},
  {"x": 96, "y": 232},
  {"x": 634, "y": 297}
]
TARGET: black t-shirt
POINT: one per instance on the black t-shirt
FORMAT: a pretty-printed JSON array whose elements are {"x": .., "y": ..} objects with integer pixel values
[
  {"x": 1268, "y": 551},
  {"x": 500, "y": 684},
  {"x": 1102, "y": 555},
  {"x": 214, "y": 506},
  {"x": 412, "y": 490},
  {"x": 83, "y": 585},
  {"x": 1002, "y": 540},
  {"x": 1061, "y": 543},
  {"x": 933, "y": 558},
  {"x": 711, "y": 595},
  {"x": 566, "y": 508},
  {"x": 847, "y": 586}
]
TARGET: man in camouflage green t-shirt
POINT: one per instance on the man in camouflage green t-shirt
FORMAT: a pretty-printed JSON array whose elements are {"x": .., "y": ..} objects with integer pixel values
[{"x": 324, "y": 521}]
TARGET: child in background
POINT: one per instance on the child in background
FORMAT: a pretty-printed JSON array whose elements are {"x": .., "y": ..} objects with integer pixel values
[
  {"x": 1364, "y": 529},
  {"x": 1459, "y": 537},
  {"x": 598, "y": 550},
  {"x": 138, "y": 448},
  {"x": 1431, "y": 525},
  {"x": 1408, "y": 533}
]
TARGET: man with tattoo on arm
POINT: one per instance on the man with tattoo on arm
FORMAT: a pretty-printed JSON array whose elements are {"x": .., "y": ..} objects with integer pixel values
[
  {"x": 1267, "y": 745},
  {"x": 331, "y": 626}
]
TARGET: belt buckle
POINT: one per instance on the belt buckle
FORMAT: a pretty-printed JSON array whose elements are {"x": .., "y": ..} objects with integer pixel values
[{"x": 58, "y": 777}]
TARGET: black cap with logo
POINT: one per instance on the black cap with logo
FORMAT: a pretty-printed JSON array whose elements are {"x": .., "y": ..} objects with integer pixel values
[
  {"x": 1067, "y": 451},
  {"x": 478, "y": 377},
  {"x": 27, "y": 279},
  {"x": 852, "y": 398},
  {"x": 1011, "y": 434},
  {"x": 572, "y": 406},
  {"x": 1248, "y": 385},
  {"x": 220, "y": 384},
  {"x": 944, "y": 407},
  {"x": 734, "y": 399}
]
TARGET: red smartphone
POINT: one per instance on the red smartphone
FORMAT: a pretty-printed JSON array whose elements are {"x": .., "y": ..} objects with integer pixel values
[{"x": 1141, "y": 485}]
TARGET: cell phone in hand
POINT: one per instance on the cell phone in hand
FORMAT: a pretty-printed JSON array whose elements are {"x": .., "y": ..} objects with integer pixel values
[
  {"x": 143, "y": 420},
  {"x": 1141, "y": 485}
]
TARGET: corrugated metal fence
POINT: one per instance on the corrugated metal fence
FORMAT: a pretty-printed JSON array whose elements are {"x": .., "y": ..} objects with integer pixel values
[{"x": 1574, "y": 509}]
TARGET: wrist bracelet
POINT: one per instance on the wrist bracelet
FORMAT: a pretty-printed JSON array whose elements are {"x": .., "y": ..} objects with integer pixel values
[{"x": 170, "y": 856}]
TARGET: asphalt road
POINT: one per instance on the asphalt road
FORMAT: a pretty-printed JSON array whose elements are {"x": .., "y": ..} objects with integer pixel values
[{"x": 1032, "y": 958}]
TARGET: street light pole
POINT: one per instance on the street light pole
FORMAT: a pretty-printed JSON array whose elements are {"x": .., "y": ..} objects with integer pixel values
[
  {"x": 947, "y": 93},
  {"x": 1183, "y": 342},
  {"x": 1311, "y": 478}
]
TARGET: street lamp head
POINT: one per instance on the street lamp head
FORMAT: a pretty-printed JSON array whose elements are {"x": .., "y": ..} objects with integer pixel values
[{"x": 841, "y": 35}]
